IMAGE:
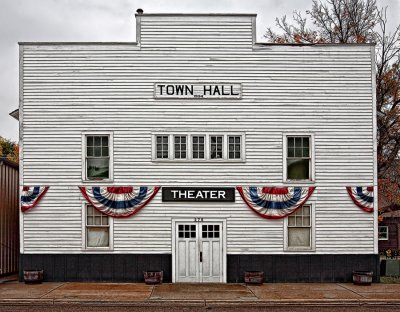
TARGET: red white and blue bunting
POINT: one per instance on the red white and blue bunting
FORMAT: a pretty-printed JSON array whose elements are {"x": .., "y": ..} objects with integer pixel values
[
  {"x": 363, "y": 197},
  {"x": 119, "y": 201},
  {"x": 31, "y": 195},
  {"x": 275, "y": 202}
]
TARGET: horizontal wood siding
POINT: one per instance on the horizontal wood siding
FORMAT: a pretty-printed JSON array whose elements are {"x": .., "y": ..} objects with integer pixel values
[{"x": 324, "y": 90}]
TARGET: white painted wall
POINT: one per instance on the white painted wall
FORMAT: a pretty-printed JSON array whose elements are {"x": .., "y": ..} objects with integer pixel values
[{"x": 71, "y": 88}]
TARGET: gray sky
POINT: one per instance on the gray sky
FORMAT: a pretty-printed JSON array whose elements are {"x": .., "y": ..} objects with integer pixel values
[{"x": 105, "y": 20}]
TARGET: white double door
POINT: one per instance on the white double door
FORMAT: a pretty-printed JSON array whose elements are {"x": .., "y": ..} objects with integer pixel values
[{"x": 199, "y": 255}]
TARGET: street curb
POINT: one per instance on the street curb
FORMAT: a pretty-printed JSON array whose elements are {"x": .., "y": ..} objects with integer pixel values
[{"x": 202, "y": 302}]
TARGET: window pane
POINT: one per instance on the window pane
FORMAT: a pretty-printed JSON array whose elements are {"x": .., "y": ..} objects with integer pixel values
[
  {"x": 306, "y": 210},
  {"x": 298, "y": 169},
  {"x": 104, "y": 141},
  {"x": 89, "y": 151},
  {"x": 298, "y": 152},
  {"x": 306, "y": 152},
  {"x": 90, "y": 221},
  {"x": 306, "y": 142},
  {"x": 97, "y": 220},
  {"x": 290, "y": 142},
  {"x": 104, "y": 151},
  {"x": 97, "y": 151},
  {"x": 97, "y": 168},
  {"x": 89, "y": 141},
  {"x": 291, "y": 221},
  {"x": 97, "y": 141},
  {"x": 90, "y": 210},
  {"x": 290, "y": 152},
  {"x": 299, "y": 237},
  {"x": 97, "y": 237},
  {"x": 297, "y": 142}
]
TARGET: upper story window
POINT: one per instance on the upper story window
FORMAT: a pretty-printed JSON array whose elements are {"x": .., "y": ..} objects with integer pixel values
[
  {"x": 199, "y": 147},
  {"x": 383, "y": 232},
  {"x": 97, "y": 151},
  {"x": 234, "y": 146},
  {"x": 216, "y": 147},
  {"x": 180, "y": 146},
  {"x": 298, "y": 158},
  {"x": 162, "y": 146}
]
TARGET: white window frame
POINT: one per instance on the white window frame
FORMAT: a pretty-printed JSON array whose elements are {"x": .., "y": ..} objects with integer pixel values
[
  {"x": 311, "y": 204},
  {"x": 180, "y": 144},
  {"x": 207, "y": 147},
  {"x": 110, "y": 135},
  {"x": 387, "y": 232},
  {"x": 312, "y": 156},
  {"x": 84, "y": 232}
]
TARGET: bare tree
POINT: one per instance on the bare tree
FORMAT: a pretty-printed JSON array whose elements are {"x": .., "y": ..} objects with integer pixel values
[{"x": 358, "y": 21}]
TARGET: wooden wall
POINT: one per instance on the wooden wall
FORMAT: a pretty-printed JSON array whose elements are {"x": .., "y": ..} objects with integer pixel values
[{"x": 326, "y": 90}]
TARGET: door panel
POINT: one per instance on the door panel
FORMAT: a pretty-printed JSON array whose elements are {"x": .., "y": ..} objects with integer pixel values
[{"x": 199, "y": 252}]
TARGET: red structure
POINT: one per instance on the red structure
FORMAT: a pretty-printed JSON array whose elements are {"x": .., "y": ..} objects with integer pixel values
[
  {"x": 9, "y": 217},
  {"x": 389, "y": 232}
]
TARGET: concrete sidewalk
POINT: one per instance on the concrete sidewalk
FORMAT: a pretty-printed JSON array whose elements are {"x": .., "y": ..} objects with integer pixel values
[{"x": 14, "y": 293}]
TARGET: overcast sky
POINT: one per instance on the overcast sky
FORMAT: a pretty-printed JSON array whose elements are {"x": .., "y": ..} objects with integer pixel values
[{"x": 106, "y": 20}]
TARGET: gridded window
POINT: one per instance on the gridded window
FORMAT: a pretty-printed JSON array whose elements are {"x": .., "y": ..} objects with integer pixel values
[
  {"x": 234, "y": 147},
  {"x": 383, "y": 232},
  {"x": 198, "y": 147},
  {"x": 299, "y": 228},
  {"x": 180, "y": 146},
  {"x": 162, "y": 146},
  {"x": 187, "y": 231},
  {"x": 216, "y": 144},
  {"x": 298, "y": 159},
  {"x": 97, "y": 228},
  {"x": 210, "y": 231},
  {"x": 97, "y": 157}
]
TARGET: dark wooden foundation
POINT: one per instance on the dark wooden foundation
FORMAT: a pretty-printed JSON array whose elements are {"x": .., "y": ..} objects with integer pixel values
[{"x": 130, "y": 267}]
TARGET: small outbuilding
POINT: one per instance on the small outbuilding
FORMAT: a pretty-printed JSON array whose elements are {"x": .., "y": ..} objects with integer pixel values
[{"x": 9, "y": 217}]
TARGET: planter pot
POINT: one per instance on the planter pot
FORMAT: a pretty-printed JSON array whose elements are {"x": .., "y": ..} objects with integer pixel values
[
  {"x": 362, "y": 277},
  {"x": 153, "y": 277},
  {"x": 33, "y": 276},
  {"x": 253, "y": 277}
]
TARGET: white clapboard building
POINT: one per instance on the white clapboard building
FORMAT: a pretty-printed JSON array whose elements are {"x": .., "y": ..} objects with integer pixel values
[{"x": 198, "y": 152}]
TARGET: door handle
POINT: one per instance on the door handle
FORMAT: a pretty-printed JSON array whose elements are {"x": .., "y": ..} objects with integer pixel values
[{"x": 201, "y": 256}]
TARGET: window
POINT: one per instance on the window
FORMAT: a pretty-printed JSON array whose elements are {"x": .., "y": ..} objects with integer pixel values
[
  {"x": 97, "y": 228},
  {"x": 198, "y": 145},
  {"x": 180, "y": 146},
  {"x": 228, "y": 147},
  {"x": 234, "y": 147},
  {"x": 299, "y": 229},
  {"x": 216, "y": 142},
  {"x": 186, "y": 231},
  {"x": 298, "y": 158},
  {"x": 383, "y": 232},
  {"x": 162, "y": 147},
  {"x": 97, "y": 157}
]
